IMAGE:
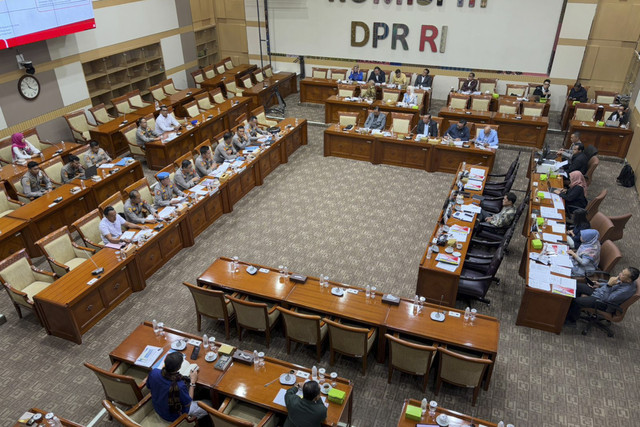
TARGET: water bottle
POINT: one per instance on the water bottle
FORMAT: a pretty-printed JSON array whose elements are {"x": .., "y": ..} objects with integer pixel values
[
  {"x": 368, "y": 291},
  {"x": 205, "y": 341},
  {"x": 82, "y": 184},
  {"x": 429, "y": 252},
  {"x": 42, "y": 156},
  {"x": 49, "y": 420},
  {"x": 314, "y": 373},
  {"x": 415, "y": 304},
  {"x": 256, "y": 359},
  {"x": 155, "y": 326},
  {"x": 423, "y": 406},
  {"x": 501, "y": 424},
  {"x": 473, "y": 315},
  {"x": 467, "y": 314},
  {"x": 157, "y": 105}
]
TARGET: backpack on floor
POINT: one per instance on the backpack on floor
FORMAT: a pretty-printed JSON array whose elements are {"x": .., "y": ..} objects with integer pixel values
[{"x": 626, "y": 178}]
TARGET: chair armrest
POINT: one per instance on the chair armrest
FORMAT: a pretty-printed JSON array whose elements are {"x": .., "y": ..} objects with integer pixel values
[
  {"x": 272, "y": 309},
  {"x": 481, "y": 256},
  {"x": 24, "y": 196},
  {"x": 43, "y": 276},
  {"x": 492, "y": 198},
  {"x": 15, "y": 202},
  {"x": 476, "y": 279},
  {"x": 83, "y": 248},
  {"x": 139, "y": 405},
  {"x": 497, "y": 175},
  {"x": 489, "y": 243},
  {"x": 63, "y": 269},
  {"x": 224, "y": 404}
]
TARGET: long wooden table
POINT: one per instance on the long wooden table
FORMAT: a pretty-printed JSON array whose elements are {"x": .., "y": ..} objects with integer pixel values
[
  {"x": 240, "y": 381},
  {"x": 456, "y": 419},
  {"x": 456, "y": 114},
  {"x": 609, "y": 141},
  {"x": 436, "y": 284},
  {"x": 397, "y": 151},
  {"x": 335, "y": 104},
  {"x": 15, "y": 235},
  {"x": 516, "y": 129},
  {"x": 63, "y": 421},
  {"x": 216, "y": 120},
  {"x": 482, "y": 336},
  {"x": 113, "y": 179},
  {"x": 261, "y": 93}
]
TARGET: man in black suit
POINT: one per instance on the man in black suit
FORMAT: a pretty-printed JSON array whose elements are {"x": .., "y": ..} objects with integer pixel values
[
  {"x": 471, "y": 84},
  {"x": 621, "y": 115},
  {"x": 377, "y": 75},
  {"x": 425, "y": 79},
  {"x": 578, "y": 161},
  {"x": 543, "y": 90},
  {"x": 426, "y": 126},
  {"x": 578, "y": 93}
]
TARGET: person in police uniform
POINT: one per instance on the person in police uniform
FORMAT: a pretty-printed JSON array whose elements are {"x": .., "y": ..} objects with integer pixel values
[
  {"x": 224, "y": 151},
  {"x": 252, "y": 129},
  {"x": 240, "y": 140},
  {"x": 136, "y": 210},
  {"x": 71, "y": 170},
  {"x": 35, "y": 183},
  {"x": 204, "y": 162},
  {"x": 185, "y": 177},
  {"x": 166, "y": 191},
  {"x": 96, "y": 156}
]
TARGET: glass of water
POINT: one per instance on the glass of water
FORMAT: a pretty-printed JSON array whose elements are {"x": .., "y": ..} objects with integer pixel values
[
  {"x": 261, "y": 359},
  {"x": 334, "y": 378},
  {"x": 321, "y": 373},
  {"x": 326, "y": 281},
  {"x": 373, "y": 292},
  {"x": 212, "y": 344},
  {"x": 281, "y": 270},
  {"x": 285, "y": 271},
  {"x": 235, "y": 264}
]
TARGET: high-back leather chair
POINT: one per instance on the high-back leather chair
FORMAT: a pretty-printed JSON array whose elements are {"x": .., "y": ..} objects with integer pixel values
[
  {"x": 143, "y": 415},
  {"x": 306, "y": 329},
  {"x": 410, "y": 357},
  {"x": 602, "y": 318},
  {"x": 22, "y": 280},
  {"x": 591, "y": 168},
  {"x": 121, "y": 389},
  {"x": 213, "y": 304},
  {"x": 461, "y": 370},
  {"x": 610, "y": 255},
  {"x": 594, "y": 204},
  {"x": 351, "y": 341},
  {"x": 602, "y": 224},
  {"x": 619, "y": 223},
  {"x": 88, "y": 228},
  {"x": 236, "y": 413},
  {"x": 256, "y": 316},
  {"x": 62, "y": 253},
  {"x": 475, "y": 284}
]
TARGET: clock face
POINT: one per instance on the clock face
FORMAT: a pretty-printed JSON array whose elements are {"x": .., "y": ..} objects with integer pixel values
[{"x": 29, "y": 87}]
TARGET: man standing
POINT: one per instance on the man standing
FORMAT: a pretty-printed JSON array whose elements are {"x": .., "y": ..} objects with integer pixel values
[
  {"x": 35, "y": 183},
  {"x": 487, "y": 137},
  {"x": 578, "y": 93},
  {"x": 471, "y": 84},
  {"x": 375, "y": 120},
  {"x": 185, "y": 177},
  {"x": 377, "y": 76},
  {"x": 424, "y": 79},
  {"x": 71, "y": 170},
  {"x": 308, "y": 411},
  {"x": 136, "y": 210},
  {"x": 111, "y": 227},
  {"x": 458, "y": 131},
  {"x": 166, "y": 191},
  {"x": 224, "y": 151},
  {"x": 166, "y": 122},
  {"x": 426, "y": 126},
  {"x": 96, "y": 156},
  {"x": 204, "y": 162}
]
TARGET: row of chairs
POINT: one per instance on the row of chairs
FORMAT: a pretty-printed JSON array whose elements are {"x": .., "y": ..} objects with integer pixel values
[
  {"x": 248, "y": 80},
  {"x": 505, "y": 105}
]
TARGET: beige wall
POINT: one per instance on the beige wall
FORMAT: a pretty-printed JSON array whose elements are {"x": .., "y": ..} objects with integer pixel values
[{"x": 232, "y": 33}]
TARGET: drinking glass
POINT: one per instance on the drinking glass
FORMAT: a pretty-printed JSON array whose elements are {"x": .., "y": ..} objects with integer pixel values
[
  {"x": 212, "y": 344},
  {"x": 433, "y": 405},
  {"x": 326, "y": 281},
  {"x": 261, "y": 359},
  {"x": 235, "y": 264},
  {"x": 161, "y": 328},
  {"x": 334, "y": 377},
  {"x": 118, "y": 255},
  {"x": 281, "y": 270},
  {"x": 205, "y": 343},
  {"x": 373, "y": 292},
  {"x": 285, "y": 271},
  {"x": 321, "y": 373}
]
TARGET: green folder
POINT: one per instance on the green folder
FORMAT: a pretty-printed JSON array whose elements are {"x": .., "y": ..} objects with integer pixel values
[{"x": 413, "y": 413}]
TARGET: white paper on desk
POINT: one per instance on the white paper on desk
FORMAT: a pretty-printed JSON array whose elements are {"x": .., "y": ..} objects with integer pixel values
[
  {"x": 550, "y": 213},
  {"x": 170, "y": 137},
  {"x": 546, "y": 194},
  {"x": 149, "y": 217},
  {"x": 548, "y": 237},
  {"x": 471, "y": 208},
  {"x": 164, "y": 213},
  {"x": 561, "y": 164},
  {"x": 558, "y": 227},
  {"x": 537, "y": 284},
  {"x": 478, "y": 172},
  {"x": 460, "y": 237},
  {"x": 106, "y": 166},
  {"x": 563, "y": 271},
  {"x": 279, "y": 399},
  {"x": 561, "y": 260},
  {"x": 468, "y": 217},
  {"x": 237, "y": 163},
  {"x": 127, "y": 235},
  {"x": 197, "y": 188},
  {"x": 143, "y": 233},
  {"x": 148, "y": 356},
  {"x": 557, "y": 202},
  {"x": 447, "y": 267},
  {"x": 376, "y": 132}
]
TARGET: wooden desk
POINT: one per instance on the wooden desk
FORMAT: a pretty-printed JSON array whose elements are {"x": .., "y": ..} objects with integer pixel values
[
  {"x": 608, "y": 140},
  {"x": 14, "y": 235},
  {"x": 8, "y": 171},
  {"x": 44, "y": 219},
  {"x": 260, "y": 93},
  {"x": 317, "y": 90},
  {"x": 162, "y": 153},
  {"x": 204, "y": 211},
  {"x": 456, "y": 419},
  {"x": 455, "y": 115},
  {"x": 528, "y": 131},
  {"x": 69, "y": 307},
  {"x": 113, "y": 180},
  {"x": 335, "y": 104},
  {"x": 109, "y": 136},
  {"x": 52, "y": 151},
  {"x": 434, "y": 283},
  {"x": 65, "y": 422},
  {"x": 177, "y": 101}
]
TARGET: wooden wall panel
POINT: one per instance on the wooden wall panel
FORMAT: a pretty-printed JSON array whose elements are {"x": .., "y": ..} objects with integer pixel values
[{"x": 616, "y": 20}]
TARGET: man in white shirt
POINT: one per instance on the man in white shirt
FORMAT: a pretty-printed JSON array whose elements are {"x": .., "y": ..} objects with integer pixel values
[
  {"x": 111, "y": 227},
  {"x": 165, "y": 122}
]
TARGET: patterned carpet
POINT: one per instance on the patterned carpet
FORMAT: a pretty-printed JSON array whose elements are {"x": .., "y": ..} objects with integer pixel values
[{"x": 360, "y": 224}]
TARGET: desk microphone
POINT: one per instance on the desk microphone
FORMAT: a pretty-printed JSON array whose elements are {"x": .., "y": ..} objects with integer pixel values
[
  {"x": 124, "y": 121},
  {"x": 99, "y": 270}
]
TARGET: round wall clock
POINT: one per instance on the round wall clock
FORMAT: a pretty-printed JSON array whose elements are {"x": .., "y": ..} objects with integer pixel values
[{"x": 29, "y": 87}]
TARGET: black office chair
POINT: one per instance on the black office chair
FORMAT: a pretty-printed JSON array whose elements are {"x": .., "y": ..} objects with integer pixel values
[
  {"x": 494, "y": 204},
  {"x": 486, "y": 231},
  {"x": 475, "y": 284},
  {"x": 491, "y": 187}
]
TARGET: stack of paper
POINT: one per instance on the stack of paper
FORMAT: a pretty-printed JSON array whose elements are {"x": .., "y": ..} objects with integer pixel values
[
  {"x": 220, "y": 170},
  {"x": 550, "y": 213},
  {"x": 563, "y": 286},
  {"x": 473, "y": 185},
  {"x": 148, "y": 356},
  {"x": 471, "y": 208},
  {"x": 106, "y": 166},
  {"x": 476, "y": 173},
  {"x": 459, "y": 232},
  {"x": 558, "y": 227},
  {"x": 448, "y": 259},
  {"x": 127, "y": 235},
  {"x": 558, "y": 203},
  {"x": 548, "y": 237},
  {"x": 539, "y": 276},
  {"x": 166, "y": 212}
]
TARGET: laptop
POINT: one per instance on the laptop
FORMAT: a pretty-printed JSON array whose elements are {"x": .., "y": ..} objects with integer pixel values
[
  {"x": 89, "y": 172},
  {"x": 612, "y": 123}
]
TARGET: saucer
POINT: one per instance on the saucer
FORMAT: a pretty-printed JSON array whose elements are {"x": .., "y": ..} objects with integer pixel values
[
  {"x": 337, "y": 292},
  {"x": 326, "y": 388},
  {"x": 456, "y": 253},
  {"x": 179, "y": 345},
  {"x": 449, "y": 250},
  {"x": 211, "y": 356},
  {"x": 437, "y": 316},
  {"x": 285, "y": 381},
  {"x": 442, "y": 420}
]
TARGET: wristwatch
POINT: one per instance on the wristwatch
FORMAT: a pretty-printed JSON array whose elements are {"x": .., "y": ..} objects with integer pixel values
[{"x": 192, "y": 385}]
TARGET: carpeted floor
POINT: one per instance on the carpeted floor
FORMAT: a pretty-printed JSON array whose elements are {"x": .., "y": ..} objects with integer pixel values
[{"x": 360, "y": 224}]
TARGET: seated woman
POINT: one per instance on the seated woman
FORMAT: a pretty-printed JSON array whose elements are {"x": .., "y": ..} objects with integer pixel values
[
  {"x": 21, "y": 149},
  {"x": 575, "y": 196},
  {"x": 580, "y": 223},
  {"x": 586, "y": 259},
  {"x": 409, "y": 97}
]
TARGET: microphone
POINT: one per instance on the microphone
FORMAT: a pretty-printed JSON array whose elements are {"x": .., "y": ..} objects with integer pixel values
[
  {"x": 441, "y": 298},
  {"x": 99, "y": 270},
  {"x": 124, "y": 121}
]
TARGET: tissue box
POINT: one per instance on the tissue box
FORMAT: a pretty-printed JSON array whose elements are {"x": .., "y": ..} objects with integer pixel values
[
  {"x": 541, "y": 194},
  {"x": 537, "y": 244},
  {"x": 413, "y": 413},
  {"x": 576, "y": 102},
  {"x": 543, "y": 177},
  {"x": 600, "y": 123},
  {"x": 336, "y": 396},
  {"x": 496, "y": 95},
  {"x": 540, "y": 221}
]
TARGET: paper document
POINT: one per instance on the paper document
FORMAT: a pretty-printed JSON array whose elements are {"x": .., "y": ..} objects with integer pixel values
[
  {"x": 471, "y": 208},
  {"x": 563, "y": 286},
  {"x": 548, "y": 237},
  {"x": 143, "y": 233},
  {"x": 561, "y": 260},
  {"x": 237, "y": 163},
  {"x": 447, "y": 267},
  {"x": 563, "y": 271},
  {"x": 279, "y": 399},
  {"x": 127, "y": 235},
  {"x": 558, "y": 165},
  {"x": 462, "y": 216},
  {"x": 546, "y": 194},
  {"x": 473, "y": 185},
  {"x": 166, "y": 212},
  {"x": 558, "y": 227},
  {"x": 220, "y": 170},
  {"x": 550, "y": 213},
  {"x": 106, "y": 166},
  {"x": 148, "y": 356},
  {"x": 178, "y": 199},
  {"x": 537, "y": 284},
  {"x": 476, "y": 172},
  {"x": 558, "y": 203}
]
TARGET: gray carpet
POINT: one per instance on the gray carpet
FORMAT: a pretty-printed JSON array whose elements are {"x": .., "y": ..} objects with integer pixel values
[{"x": 360, "y": 224}]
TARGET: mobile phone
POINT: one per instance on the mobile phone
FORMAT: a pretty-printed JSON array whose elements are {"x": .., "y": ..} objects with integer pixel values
[{"x": 195, "y": 352}]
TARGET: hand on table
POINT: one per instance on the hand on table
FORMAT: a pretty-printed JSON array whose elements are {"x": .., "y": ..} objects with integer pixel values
[{"x": 193, "y": 375}]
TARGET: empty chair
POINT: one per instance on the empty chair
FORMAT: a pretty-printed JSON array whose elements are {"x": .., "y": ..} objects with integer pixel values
[
  {"x": 268, "y": 71},
  {"x": 7, "y": 204},
  {"x": 169, "y": 87},
  {"x": 246, "y": 81},
  {"x": 319, "y": 73},
  {"x": 87, "y": 227},
  {"x": 619, "y": 223},
  {"x": 209, "y": 72},
  {"x": 594, "y": 204},
  {"x": 475, "y": 284},
  {"x": 157, "y": 92},
  {"x": 517, "y": 90},
  {"x": 605, "y": 97},
  {"x": 143, "y": 415},
  {"x": 507, "y": 175},
  {"x": 62, "y": 253},
  {"x": 198, "y": 77},
  {"x": 220, "y": 68},
  {"x": 135, "y": 99},
  {"x": 122, "y": 104},
  {"x": 236, "y": 413},
  {"x": 533, "y": 109},
  {"x": 258, "y": 75},
  {"x": 192, "y": 109},
  {"x": 338, "y": 74},
  {"x": 204, "y": 102},
  {"x": 609, "y": 256},
  {"x": 346, "y": 90},
  {"x": 391, "y": 95},
  {"x": 480, "y": 102},
  {"x": 306, "y": 329},
  {"x": 487, "y": 84},
  {"x": 506, "y": 106},
  {"x": 256, "y": 316},
  {"x": 79, "y": 126},
  {"x": 461, "y": 370},
  {"x": 121, "y": 389},
  {"x": 213, "y": 304},
  {"x": 232, "y": 89},
  {"x": 100, "y": 114},
  {"x": 217, "y": 96},
  {"x": 346, "y": 118},
  {"x": 401, "y": 122},
  {"x": 410, "y": 357},
  {"x": 228, "y": 63},
  {"x": 585, "y": 112},
  {"x": 262, "y": 117},
  {"x": 351, "y": 341},
  {"x": 22, "y": 280},
  {"x": 602, "y": 224},
  {"x": 593, "y": 163},
  {"x": 458, "y": 101}
]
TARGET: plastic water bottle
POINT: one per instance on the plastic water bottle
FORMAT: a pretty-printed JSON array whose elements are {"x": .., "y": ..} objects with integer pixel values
[
  {"x": 42, "y": 156},
  {"x": 314, "y": 373},
  {"x": 423, "y": 406},
  {"x": 501, "y": 424},
  {"x": 429, "y": 252},
  {"x": 467, "y": 314},
  {"x": 205, "y": 341},
  {"x": 368, "y": 291},
  {"x": 416, "y": 299},
  {"x": 82, "y": 184},
  {"x": 155, "y": 326}
]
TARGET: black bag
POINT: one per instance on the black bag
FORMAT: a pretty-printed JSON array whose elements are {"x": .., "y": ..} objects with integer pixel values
[{"x": 626, "y": 178}]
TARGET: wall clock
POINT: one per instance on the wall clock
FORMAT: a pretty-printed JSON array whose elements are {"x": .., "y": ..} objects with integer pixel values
[{"x": 29, "y": 87}]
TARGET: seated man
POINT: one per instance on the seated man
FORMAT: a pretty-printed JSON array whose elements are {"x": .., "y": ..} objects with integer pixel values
[
  {"x": 369, "y": 92},
  {"x": 424, "y": 79},
  {"x": 111, "y": 227},
  {"x": 96, "y": 156},
  {"x": 166, "y": 122},
  {"x": 487, "y": 137},
  {"x": 604, "y": 296},
  {"x": 71, "y": 170},
  {"x": 34, "y": 182},
  {"x": 398, "y": 78},
  {"x": 185, "y": 177},
  {"x": 578, "y": 93},
  {"x": 471, "y": 84},
  {"x": 253, "y": 131},
  {"x": 426, "y": 126},
  {"x": 145, "y": 134},
  {"x": 240, "y": 140},
  {"x": 377, "y": 76},
  {"x": 136, "y": 210},
  {"x": 375, "y": 120},
  {"x": 166, "y": 191},
  {"x": 505, "y": 217},
  {"x": 543, "y": 92},
  {"x": 458, "y": 131},
  {"x": 204, "y": 162},
  {"x": 224, "y": 151},
  {"x": 578, "y": 161},
  {"x": 356, "y": 74},
  {"x": 621, "y": 115},
  {"x": 308, "y": 411}
]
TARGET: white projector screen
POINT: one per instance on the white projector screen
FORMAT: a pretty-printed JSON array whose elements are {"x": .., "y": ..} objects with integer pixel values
[{"x": 511, "y": 35}]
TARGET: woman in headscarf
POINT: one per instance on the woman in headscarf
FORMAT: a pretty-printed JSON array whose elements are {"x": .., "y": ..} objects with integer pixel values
[
  {"x": 21, "y": 149},
  {"x": 586, "y": 259},
  {"x": 575, "y": 196}
]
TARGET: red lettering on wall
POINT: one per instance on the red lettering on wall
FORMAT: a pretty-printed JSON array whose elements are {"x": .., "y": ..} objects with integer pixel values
[{"x": 428, "y": 34}]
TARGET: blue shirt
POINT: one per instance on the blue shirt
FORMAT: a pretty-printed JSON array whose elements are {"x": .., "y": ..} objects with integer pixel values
[
  {"x": 356, "y": 76},
  {"x": 159, "y": 387},
  {"x": 491, "y": 140}
]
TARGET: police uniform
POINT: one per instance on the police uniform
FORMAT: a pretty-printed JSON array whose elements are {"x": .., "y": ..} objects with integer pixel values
[
  {"x": 136, "y": 213},
  {"x": 35, "y": 186},
  {"x": 204, "y": 166},
  {"x": 183, "y": 180},
  {"x": 95, "y": 159},
  {"x": 254, "y": 133},
  {"x": 239, "y": 144},
  {"x": 222, "y": 153},
  {"x": 68, "y": 173},
  {"x": 164, "y": 194}
]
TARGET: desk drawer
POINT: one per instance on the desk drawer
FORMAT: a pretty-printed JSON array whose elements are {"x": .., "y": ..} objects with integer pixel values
[
  {"x": 150, "y": 258},
  {"x": 89, "y": 308},
  {"x": 115, "y": 288},
  {"x": 170, "y": 243}
]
